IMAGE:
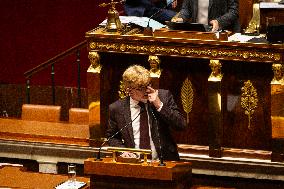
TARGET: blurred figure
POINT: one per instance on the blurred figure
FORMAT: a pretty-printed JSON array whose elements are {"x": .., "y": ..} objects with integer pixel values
[
  {"x": 162, "y": 8},
  {"x": 220, "y": 14}
]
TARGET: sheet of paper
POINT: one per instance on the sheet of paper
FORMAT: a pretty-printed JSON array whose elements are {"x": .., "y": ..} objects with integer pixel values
[
  {"x": 70, "y": 185},
  {"x": 140, "y": 21},
  {"x": 243, "y": 38}
]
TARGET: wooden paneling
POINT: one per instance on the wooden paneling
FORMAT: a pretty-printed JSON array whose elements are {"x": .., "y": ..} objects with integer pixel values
[{"x": 13, "y": 96}]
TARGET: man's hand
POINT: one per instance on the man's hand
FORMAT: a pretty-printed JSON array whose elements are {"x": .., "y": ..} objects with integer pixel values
[
  {"x": 176, "y": 19},
  {"x": 215, "y": 25},
  {"x": 153, "y": 97}
]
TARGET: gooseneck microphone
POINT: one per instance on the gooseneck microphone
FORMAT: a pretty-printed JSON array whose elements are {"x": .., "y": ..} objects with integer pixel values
[
  {"x": 160, "y": 10},
  {"x": 122, "y": 128},
  {"x": 158, "y": 135},
  {"x": 148, "y": 30}
]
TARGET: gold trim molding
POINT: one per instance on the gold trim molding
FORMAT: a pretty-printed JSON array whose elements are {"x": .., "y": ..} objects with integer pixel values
[{"x": 207, "y": 52}]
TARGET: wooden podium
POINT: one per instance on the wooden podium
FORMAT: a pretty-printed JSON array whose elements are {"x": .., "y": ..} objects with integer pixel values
[{"x": 107, "y": 174}]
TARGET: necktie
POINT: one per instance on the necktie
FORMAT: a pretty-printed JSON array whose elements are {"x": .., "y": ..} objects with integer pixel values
[{"x": 144, "y": 128}]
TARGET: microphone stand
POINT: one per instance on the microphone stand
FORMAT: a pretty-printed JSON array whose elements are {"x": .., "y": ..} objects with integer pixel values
[
  {"x": 159, "y": 139},
  {"x": 99, "y": 152}
]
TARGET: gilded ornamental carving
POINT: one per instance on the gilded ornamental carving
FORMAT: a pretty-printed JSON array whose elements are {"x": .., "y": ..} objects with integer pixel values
[
  {"x": 187, "y": 96},
  {"x": 216, "y": 74},
  {"x": 278, "y": 71},
  {"x": 155, "y": 70},
  {"x": 249, "y": 100},
  {"x": 94, "y": 58},
  {"x": 206, "y": 52}
]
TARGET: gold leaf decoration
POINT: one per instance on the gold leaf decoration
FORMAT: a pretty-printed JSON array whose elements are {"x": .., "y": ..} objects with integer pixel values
[
  {"x": 187, "y": 97},
  {"x": 122, "y": 91},
  {"x": 249, "y": 100}
]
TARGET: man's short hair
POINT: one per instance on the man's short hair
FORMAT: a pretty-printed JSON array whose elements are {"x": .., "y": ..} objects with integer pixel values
[{"x": 136, "y": 76}]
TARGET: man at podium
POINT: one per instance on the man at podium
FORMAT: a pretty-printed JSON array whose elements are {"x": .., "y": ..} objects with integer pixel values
[
  {"x": 220, "y": 14},
  {"x": 145, "y": 118}
]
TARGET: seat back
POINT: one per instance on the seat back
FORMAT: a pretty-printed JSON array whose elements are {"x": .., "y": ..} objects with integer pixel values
[
  {"x": 35, "y": 112},
  {"x": 79, "y": 115},
  {"x": 94, "y": 109},
  {"x": 94, "y": 124}
]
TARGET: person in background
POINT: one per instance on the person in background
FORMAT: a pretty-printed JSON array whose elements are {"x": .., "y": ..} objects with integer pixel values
[
  {"x": 220, "y": 14},
  {"x": 162, "y": 8},
  {"x": 159, "y": 109}
]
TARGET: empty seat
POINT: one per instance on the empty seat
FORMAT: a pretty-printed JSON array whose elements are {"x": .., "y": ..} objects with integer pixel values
[
  {"x": 79, "y": 115},
  {"x": 35, "y": 112}
]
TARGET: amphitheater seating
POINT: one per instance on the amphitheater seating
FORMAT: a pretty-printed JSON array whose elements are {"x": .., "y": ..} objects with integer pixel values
[
  {"x": 35, "y": 112},
  {"x": 79, "y": 115}
]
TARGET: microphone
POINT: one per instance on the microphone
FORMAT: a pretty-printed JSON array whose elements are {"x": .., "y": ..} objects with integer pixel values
[
  {"x": 148, "y": 30},
  {"x": 122, "y": 128},
  {"x": 158, "y": 133}
]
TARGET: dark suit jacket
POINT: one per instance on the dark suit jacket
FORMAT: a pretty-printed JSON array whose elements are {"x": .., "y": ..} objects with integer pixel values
[
  {"x": 148, "y": 8},
  {"x": 226, "y": 12},
  {"x": 136, "y": 7},
  {"x": 167, "y": 119}
]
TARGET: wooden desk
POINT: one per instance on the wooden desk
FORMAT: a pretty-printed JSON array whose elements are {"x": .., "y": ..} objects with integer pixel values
[
  {"x": 218, "y": 117},
  {"x": 47, "y": 132},
  {"x": 111, "y": 175},
  {"x": 16, "y": 177}
]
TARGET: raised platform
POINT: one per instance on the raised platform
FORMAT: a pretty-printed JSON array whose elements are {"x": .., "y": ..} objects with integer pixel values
[{"x": 21, "y": 143}]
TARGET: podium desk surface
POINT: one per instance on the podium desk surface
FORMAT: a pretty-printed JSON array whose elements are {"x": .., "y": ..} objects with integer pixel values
[
  {"x": 16, "y": 177},
  {"x": 173, "y": 170}
]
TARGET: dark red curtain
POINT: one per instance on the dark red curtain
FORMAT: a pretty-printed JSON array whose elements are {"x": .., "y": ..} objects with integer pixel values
[{"x": 33, "y": 31}]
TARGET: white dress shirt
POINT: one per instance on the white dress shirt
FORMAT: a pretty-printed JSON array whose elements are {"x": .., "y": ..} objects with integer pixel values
[
  {"x": 202, "y": 16},
  {"x": 135, "y": 110}
]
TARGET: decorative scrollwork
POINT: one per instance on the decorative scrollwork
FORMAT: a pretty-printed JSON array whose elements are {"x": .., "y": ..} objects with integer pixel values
[
  {"x": 249, "y": 100},
  {"x": 188, "y": 51},
  {"x": 187, "y": 96}
]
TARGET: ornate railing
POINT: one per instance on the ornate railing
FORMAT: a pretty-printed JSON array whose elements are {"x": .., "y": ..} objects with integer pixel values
[{"x": 51, "y": 62}]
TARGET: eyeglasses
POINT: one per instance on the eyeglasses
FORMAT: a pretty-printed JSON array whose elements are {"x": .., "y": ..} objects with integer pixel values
[{"x": 142, "y": 88}]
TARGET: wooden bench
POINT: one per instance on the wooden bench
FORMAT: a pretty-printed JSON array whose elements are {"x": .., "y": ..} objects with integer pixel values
[{"x": 49, "y": 132}]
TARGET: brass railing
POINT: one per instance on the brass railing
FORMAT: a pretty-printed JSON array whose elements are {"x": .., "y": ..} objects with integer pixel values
[{"x": 75, "y": 49}]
